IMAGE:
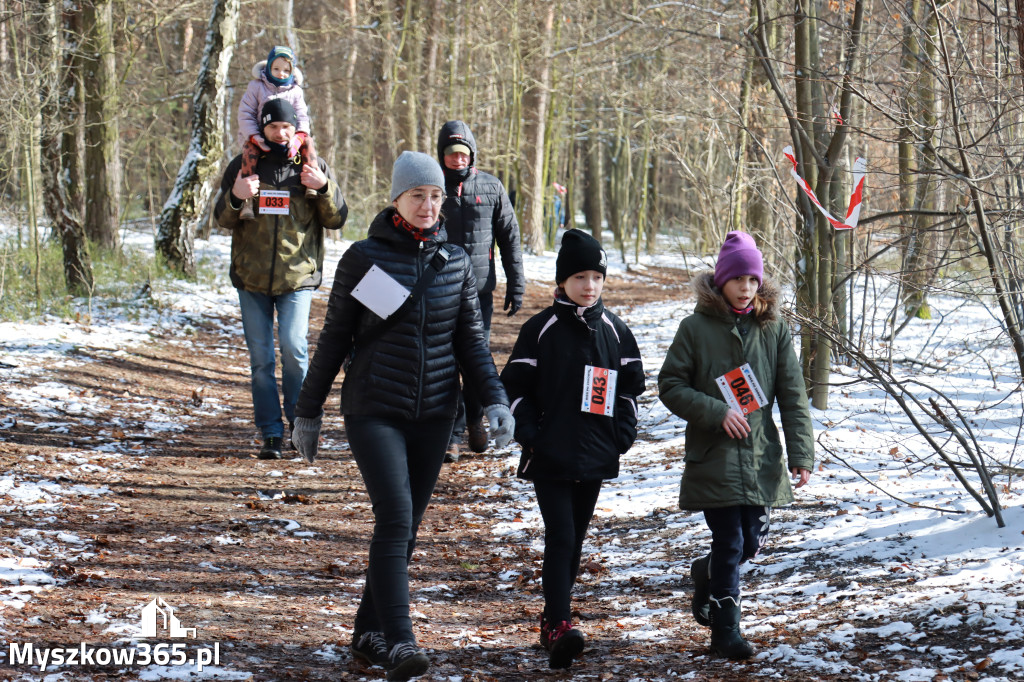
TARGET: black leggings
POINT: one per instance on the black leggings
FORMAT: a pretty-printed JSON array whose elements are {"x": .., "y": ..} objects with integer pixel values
[
  {"x": 566, "y": 507},
  {"x": 737, "y": 534},
  {"x": 399, "y": 461}
]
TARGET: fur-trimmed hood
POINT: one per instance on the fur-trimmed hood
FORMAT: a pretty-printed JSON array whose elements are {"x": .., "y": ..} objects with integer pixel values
[
  {"x": 258, "y": 71},
  {"x": 711, "y": 302}
]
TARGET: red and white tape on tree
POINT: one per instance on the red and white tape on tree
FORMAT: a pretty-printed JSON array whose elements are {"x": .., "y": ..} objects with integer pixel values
[{"x": 853, "y": 212}]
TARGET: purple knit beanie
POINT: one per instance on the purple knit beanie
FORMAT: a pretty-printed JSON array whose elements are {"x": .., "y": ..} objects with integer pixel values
[{"x": 739, "y": 256}]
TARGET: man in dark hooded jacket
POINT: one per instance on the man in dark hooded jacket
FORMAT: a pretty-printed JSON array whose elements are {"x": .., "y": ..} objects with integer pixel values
[{"x": 477, "y": 215}]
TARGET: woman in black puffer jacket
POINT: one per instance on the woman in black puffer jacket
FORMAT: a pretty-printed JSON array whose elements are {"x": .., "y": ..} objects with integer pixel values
[{"x": 400, "y": 391}]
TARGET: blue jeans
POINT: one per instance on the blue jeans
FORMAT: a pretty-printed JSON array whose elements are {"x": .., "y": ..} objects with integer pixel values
[
  {"x": 292, "y": 326},
  {"x": 399, "y": 461}
]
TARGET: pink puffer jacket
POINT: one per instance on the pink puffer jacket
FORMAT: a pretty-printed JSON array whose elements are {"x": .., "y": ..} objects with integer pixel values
[{"x": 258, "y": 92}]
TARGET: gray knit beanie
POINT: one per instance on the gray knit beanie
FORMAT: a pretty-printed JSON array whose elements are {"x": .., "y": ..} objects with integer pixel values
[{"x": 413, "y": 169}]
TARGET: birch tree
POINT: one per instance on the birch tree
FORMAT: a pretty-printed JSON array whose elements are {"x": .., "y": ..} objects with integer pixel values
[{"x": 192, "y": 190}]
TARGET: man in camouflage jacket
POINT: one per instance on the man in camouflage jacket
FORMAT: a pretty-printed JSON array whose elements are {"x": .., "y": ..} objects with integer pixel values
[{"x": 277, "y": 261}]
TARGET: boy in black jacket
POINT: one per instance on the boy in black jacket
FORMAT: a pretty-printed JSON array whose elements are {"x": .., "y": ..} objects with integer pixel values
[{"x": 573, "y": 378}]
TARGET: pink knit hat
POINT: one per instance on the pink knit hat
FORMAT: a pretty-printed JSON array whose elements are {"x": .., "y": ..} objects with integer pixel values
[{"x": 739, "y": 256}]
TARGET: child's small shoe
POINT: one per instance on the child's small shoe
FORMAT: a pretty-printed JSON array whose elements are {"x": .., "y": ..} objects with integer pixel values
[
  {"x": 563, "y": 642},
  {"x": 246, "y": 212}
]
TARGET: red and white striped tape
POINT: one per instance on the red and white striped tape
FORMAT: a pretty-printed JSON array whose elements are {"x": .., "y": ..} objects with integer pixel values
[{"x": 853, "y": 212}]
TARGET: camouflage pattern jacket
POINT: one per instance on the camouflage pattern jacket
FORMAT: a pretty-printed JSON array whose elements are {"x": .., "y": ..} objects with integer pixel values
[{"x": 280, "y": 253}]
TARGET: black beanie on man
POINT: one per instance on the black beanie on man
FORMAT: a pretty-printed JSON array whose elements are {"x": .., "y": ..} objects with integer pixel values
[
  {"x": 277, "y": 109},
  {"x": 579, "y": 252}
]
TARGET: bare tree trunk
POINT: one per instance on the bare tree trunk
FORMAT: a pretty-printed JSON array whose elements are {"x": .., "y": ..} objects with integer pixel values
[
  {"x": 350, "y": 71},
  {"x": 194, "y": 185},
  {"x": 72, "y": 104},
  {"x": 102, "y": 147},
  {"x": 988, "y": 243},
  {"x": 593, "y": 173},
  {"x": 405, "y": 78},
  {"x": 430, "y": 123},
  {"x": 46, "y": 48},
  {"x": 619, "y": 174},
  {"x": 384, "y": 59},
  {"x": 535, "y": 109}
]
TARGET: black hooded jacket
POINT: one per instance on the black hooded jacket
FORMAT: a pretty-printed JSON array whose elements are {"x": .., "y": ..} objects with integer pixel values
[
  {"x": 478, "y": 214},
  {"x": 544, "y": 377},
  {"x": 411, "y": 371}
]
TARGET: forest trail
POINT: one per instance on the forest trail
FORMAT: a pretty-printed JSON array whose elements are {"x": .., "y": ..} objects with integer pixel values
[{"x": 267, "y": 558}]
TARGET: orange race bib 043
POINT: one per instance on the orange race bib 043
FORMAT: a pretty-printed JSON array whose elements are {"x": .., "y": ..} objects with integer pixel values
[
  {"x": 741, "y": 390},
  {"x": 599, "y": 390},
  {"x": 274, "y": 201}
]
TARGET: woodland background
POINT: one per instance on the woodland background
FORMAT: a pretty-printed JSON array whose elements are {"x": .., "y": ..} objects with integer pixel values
[{"x": 665, "y": 120}]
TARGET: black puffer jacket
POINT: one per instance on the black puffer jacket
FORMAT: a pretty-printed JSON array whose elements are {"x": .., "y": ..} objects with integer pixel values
[
  {"x": 544, "y": 378},
  {"x": 410, "y": 372},
  {"x": 478, "y": 214}
]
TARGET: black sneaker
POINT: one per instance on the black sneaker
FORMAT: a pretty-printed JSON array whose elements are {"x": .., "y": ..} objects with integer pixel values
[
  {"x": 271, "y": 448},
  {"x": 566, "y": 643},
  {"x": 371, "y": 647},
  {"x": 406, "y": 660},
  {"x": 291, "y": 432}
]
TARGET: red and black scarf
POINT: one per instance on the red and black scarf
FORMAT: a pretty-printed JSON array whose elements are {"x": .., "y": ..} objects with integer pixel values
[{"x": 419, "y": 235}]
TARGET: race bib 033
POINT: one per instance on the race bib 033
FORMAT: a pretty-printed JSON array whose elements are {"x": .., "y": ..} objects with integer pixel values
[
  {"x": 599, "y": 390},
  {"x": 741, "y": 390},
  {"x": 274, "y": 201}
]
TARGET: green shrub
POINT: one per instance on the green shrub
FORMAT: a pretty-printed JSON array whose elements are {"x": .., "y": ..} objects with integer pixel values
[{"x": 123, "y": 279}]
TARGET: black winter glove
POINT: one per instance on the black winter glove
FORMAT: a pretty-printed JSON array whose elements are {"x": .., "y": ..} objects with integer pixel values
[{"x": 513, "y": 302}]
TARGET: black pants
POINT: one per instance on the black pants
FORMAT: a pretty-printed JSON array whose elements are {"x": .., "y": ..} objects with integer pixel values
[
  {"x": 737, "y": 534},
  {"x": 399, "y": 461},
  {"x": 566, "y": 507},
  {"x": 470, "y": 409}
]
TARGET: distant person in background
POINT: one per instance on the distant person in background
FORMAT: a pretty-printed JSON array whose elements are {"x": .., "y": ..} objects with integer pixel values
[
  {"x": 735, "y": 469},
  {"x": 275, "y": 77},
  {"x": 401, "y": 389},
  {"x": 277, "y": 261},
  {"x": 567, "y": 449},
  {"x": 558, "y": 216},
  {"x": 477, "y": 216}
]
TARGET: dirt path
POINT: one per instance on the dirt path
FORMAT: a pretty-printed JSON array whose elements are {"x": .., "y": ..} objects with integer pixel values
[{"x": 267, "y": 558}]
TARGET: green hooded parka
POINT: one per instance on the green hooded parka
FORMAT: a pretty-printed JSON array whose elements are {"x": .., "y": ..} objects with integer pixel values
[{"x": 721, "y": 471}]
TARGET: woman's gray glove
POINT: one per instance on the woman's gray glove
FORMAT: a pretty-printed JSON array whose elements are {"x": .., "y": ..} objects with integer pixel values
[
  {"x": 306, "y": 436},
  {"x": 502, "y": 424}
]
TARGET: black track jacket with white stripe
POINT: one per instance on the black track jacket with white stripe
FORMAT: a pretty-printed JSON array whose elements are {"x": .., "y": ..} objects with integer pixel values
[{"x": 544, "y": 378}]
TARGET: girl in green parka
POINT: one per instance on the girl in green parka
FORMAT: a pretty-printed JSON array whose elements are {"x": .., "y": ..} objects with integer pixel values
[{"x": 729, "y": 363}]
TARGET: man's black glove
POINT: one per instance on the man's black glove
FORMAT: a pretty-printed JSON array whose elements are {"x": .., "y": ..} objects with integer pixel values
[{"x": 513, "y": 302}]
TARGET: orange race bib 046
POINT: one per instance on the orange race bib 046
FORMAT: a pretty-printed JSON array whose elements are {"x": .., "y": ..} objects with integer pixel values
[
  {"x": 599, "y": 390},
  {"x": 741, "y": 390},
  {"x": 274, "y": 201}
]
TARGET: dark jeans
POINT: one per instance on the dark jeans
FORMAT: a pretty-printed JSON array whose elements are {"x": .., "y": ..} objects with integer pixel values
[
  {"x": 566, "y": 507},
  {"x": 399, "y": 461},
  {"x": 737, "y": 534},
  {"x": 470, "y": 409}
]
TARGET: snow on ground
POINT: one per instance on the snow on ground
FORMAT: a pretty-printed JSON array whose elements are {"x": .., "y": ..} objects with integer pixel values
[{"x": 853, "y": 544}]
